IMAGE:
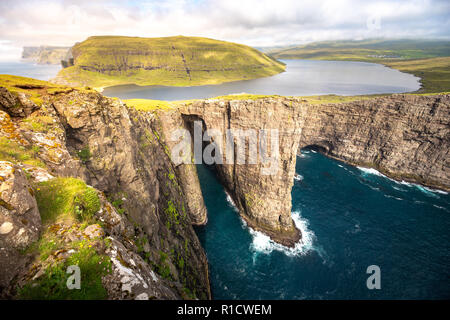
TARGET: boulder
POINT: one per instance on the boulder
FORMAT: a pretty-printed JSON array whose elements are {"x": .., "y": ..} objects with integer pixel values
[
  {"x": 94, "y": 231},
  {"x": 16, "y": 106}
]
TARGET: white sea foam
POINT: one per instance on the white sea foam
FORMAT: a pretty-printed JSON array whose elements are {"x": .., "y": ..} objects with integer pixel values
[
  {"x": 403, "y": 182},
  {"x": 263, "y": 244},
  {"x": 392, "y": 197},
  {"x": 356, "y": 229},
  {"x": 302, "y": 155},
  {"x": 230, "y": 201},
  {"x": 424, "y": 189},
  {"x": 427, "y": 191},
  {"x": 440, "y": 207},
  {"x": 371, "y": 171}
]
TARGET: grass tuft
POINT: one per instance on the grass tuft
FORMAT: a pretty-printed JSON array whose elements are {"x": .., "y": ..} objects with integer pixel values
[
  {"x": 66, "y": 199},
  {"x": 53, "y": 284},
  {"x": 16, "y": 153}
]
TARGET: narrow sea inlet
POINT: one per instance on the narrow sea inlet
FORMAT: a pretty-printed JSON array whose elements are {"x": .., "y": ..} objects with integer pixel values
[{"x": 350, "y": 218}]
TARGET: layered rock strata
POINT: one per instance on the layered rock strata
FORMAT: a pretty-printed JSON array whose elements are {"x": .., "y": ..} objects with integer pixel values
[{"x": 406, "y": 137}]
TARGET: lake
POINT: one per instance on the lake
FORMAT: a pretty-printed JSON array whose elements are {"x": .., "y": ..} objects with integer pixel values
[{"x": 301, "y": 78}]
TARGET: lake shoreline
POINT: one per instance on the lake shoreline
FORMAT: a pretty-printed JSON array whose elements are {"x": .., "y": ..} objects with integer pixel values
[{"x": 301, "y": 78}]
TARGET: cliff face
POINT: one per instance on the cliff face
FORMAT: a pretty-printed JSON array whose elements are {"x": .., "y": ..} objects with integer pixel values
[
  {"x": 141, "y": 221},
  {"x": 264, "y": 200},
  {"x": 129, "y": 159},
  {"x": 45, "y": 54},
  {"x": 403, "y": 136},
  {"x": 406, "y": 137}
]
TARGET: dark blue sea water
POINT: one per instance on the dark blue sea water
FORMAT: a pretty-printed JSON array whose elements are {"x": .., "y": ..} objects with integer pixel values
[{"x": 351, "y": 218}]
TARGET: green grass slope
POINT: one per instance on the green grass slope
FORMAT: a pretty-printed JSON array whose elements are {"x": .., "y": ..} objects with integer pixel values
[
  {"x": 102, "y": 61},
  {"x": 427, "y": 59}
]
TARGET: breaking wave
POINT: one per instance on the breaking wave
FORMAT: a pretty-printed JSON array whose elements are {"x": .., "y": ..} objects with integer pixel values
[
  {"x": 263, "y": 244},
  {"x": 429, "y": 191},
  {"x": 372, "y": 171},
  {"x": 230, "y": 201}
]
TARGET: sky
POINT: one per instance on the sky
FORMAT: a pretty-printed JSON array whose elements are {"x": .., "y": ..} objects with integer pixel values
[{"x": 252, "y": 22}]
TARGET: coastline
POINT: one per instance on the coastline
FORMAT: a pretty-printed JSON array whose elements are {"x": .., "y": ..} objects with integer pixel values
[{"x": 433, "y": 186}]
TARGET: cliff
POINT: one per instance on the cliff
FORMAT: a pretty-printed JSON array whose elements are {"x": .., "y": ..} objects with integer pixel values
[
  {"x": 125, "y": 208},
  {"x": 264, "y": 200},
  {"x": 406, "y": 137},
  {"x": 85, "y": 178},
  {"x": 175, "y": 61},
  {"x": 45, "y": 54}
]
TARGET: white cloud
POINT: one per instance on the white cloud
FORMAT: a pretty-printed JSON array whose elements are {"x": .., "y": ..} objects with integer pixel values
[
  {"x": 9, "y": 51},
  {"x": 253, "y": 22}
]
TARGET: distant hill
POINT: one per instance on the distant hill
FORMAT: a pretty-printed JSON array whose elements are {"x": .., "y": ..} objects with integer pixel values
[
  {"x": 364, "y": 50},
  {"x": 175, "y": 61},
  {"x": 45, "y": 54},
  {"x": 427, "y": 59}
]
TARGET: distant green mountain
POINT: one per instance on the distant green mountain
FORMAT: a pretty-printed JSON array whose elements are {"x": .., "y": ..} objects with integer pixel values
[
  {"x": 365, "y": 50},
  {"x": 427, "y": 59},
  {"x": 174, "y": 61}
]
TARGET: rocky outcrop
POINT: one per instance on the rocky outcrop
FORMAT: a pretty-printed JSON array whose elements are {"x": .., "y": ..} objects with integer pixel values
[
  {"x": 20, "y": 222},
  {"x": 16, "y": 106},
  {"x": 187, "y": 172},
  {"x": 129, "y": 160},
  {"x": 129, "y": 275}
]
